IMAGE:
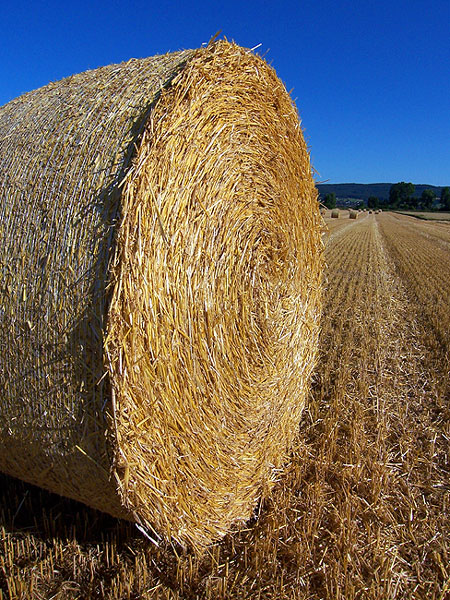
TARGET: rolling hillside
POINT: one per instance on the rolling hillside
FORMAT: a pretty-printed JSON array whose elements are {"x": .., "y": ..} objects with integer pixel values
[{"x": 362, "y": 191}]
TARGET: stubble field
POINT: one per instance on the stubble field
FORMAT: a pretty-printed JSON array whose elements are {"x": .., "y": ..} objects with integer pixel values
[{"x": 362, "y": 510}]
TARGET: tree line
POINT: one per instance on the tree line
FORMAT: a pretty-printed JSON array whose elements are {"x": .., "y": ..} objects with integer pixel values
[{"x": 401, "y": 197}]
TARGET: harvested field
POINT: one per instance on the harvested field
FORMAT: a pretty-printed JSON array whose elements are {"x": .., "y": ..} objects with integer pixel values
[
  {"x": 363, "y": 510},
  {"x": 428, "y": 216}
]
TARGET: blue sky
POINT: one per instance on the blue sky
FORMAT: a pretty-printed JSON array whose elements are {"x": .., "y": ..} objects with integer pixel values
[{"x": 371, "y": 79}]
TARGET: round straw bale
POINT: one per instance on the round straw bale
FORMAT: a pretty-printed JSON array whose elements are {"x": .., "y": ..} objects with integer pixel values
[
  {"x": 353, "y": 214},
  {"x": 161, "y": 263},
  {"x": 335, "y": 214}
]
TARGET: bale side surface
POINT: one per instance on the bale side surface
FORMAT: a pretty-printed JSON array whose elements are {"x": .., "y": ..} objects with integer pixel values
[{"x": 64, "y": 149}]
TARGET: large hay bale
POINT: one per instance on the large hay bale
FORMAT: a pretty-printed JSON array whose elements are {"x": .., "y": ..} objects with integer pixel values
[
  {"x": 353, "y": 214},
  {"x": 161, "y": 264},
  {"x": 335, "y": 214}
]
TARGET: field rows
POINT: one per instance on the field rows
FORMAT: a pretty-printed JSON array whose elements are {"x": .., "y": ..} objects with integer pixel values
[
  {"x": 423, "y": 262},
  {"x": 380, "y": 364},
  {"x": 362, "y": 510}
]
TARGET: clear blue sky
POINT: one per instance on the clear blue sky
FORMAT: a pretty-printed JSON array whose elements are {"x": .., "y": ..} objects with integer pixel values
[{"x": 371, "y": 79}]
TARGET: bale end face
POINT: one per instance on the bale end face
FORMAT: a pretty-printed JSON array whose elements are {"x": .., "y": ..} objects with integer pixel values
[{"x": 222, "y": 221}]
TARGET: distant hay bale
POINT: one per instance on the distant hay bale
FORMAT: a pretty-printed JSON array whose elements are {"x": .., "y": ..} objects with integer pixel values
[
  {"x": 335, "y": 214},
  {"x": 161, "y": 260},
  {"x": 353, "y": 214}
]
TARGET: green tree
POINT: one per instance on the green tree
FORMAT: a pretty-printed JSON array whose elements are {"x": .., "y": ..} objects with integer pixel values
[
  {"x": 427, "y": 199},
  {"x": 445, "y": 198},
  {"x": 372, "y": 202},
  {"x": 400, "y": 195},
  {"x": 330, "y": 200}
]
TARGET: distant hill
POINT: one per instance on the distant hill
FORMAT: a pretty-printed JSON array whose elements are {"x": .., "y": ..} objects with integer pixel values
[{"x": 362, "y": 191}]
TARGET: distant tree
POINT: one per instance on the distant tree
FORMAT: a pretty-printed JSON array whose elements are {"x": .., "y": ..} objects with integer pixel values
[
  {"x": 414, "y": 202},
  {"x": 445, "y": 198},
  {"x": 427, "y": 199},
  {"x": 372, "y": 202},
  {"x": 360, "y": 205},
  {"x": 330, "y": 200},
  {"x": 401, "y": 195}
]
